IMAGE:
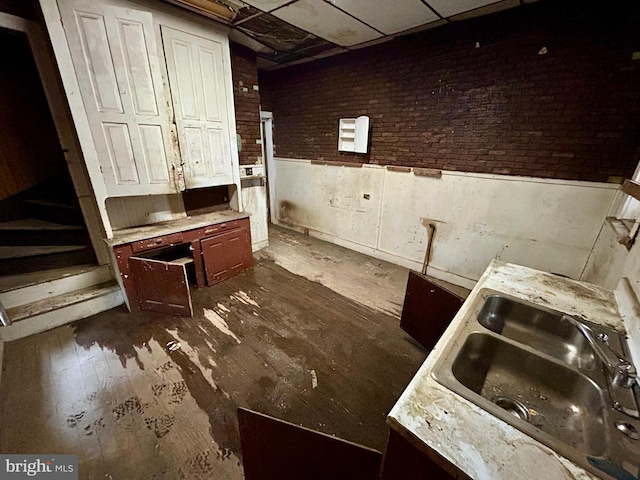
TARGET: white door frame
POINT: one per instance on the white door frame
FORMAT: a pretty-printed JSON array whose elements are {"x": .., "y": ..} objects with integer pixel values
[
  {"x": 266, "y": 129},
  {"x": 64, "y": 128}
]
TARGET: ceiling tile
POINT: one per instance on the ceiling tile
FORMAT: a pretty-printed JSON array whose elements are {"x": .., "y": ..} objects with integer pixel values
[
  {"x": 493, "y": 8},
  {"x": 448, "y": 8},
  {"x": 237, "y": 36},
  {"x": 388, "y": 17},
  {"x": 371, "y": 43},
  {"x": 246, "y": 12},
  {"x": 266, "y": 5},
  {"x": 327, "y": 22},
  {"x": 277, "y": 34},
  {"x": 263, "y": 63},
  {"x": 330, "y": 53},
  {"x": 421, "y": 28}
]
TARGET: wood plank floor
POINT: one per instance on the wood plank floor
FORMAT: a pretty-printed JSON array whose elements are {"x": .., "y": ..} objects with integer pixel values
[{"x": 151, "y": 396}]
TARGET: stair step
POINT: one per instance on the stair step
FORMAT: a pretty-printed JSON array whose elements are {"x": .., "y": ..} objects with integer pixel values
[
  {"x": 50, "y": 211},
  {"x": 16, "y": 290},
  {"x": 36, "y": 224},
  {"x": 53, "y": 303},
  {"x": 13, "y": 252},
  {"x": 58, "y": 310},
  {"x": 32, "y": 231},
  {"x": 26, "y": 259}
]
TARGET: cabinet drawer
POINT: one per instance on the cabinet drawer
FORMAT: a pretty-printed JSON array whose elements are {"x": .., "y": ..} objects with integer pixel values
[
  {"x": 223, "y": 227},
  {"x": 156, "y": 242}
]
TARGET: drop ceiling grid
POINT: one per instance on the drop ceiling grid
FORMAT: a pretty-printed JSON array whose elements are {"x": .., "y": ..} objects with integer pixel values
[
  {"x": 448, "y": 8},
  {"x": 266, "y": 5},
  {"x": 353, "y": 24},
  {"x": 326, "y": 21},
  {"x": 389, "y": 17}
]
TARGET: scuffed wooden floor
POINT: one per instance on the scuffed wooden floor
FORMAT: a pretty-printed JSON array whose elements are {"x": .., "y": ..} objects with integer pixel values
[{"x": 109, "y": 389}]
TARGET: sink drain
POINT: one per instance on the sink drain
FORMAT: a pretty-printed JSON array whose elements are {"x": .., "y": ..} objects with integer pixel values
[
  {"x": 514, "y": 407},
  {"x": 628, "y": 429}
]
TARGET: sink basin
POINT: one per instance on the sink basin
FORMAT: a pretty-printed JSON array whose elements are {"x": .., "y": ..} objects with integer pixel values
[
  {"x": 526, "y": 366},
  {"x": 555, "y": 399},
  {"x": 537, "y": 328}
]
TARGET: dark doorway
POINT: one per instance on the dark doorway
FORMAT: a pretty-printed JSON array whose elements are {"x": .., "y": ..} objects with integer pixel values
[{"x": 41, "y": 224}]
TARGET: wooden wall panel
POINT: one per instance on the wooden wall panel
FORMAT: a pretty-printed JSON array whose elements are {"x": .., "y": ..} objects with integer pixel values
[
  {"x": 29, "y": 148},
  {"x": 125, "y": 212}
]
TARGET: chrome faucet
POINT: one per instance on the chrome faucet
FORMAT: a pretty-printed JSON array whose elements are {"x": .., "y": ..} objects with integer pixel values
[{"x": 622, "y": 371}]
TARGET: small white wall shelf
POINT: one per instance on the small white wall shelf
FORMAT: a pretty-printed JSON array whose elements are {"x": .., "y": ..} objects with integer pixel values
[{"x": 353, "y": 134}]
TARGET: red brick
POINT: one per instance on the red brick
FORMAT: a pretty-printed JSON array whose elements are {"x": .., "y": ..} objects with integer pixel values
[
  {"x": 435, "y": 100},
  {"x": 247, "y": 104}
]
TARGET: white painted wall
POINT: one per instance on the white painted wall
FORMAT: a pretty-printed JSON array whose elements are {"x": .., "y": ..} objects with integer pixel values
[
  {"x": 611, "y": 261},
  {"x": 254, "y": 196},
  {"x": 613, "y": 266},
  {"x": 549, "y": 225}
]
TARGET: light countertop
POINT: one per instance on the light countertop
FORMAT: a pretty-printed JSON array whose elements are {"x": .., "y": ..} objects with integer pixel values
[
  {"x": 144, "y": 232},
  {"x": 436, "y": 419}
]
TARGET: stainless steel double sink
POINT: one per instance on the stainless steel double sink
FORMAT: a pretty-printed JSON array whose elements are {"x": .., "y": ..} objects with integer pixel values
[{"x": 533, "y": 369}]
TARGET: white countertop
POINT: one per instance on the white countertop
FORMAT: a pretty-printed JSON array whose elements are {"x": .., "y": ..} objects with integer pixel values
[{"x": 484, "y": 447}]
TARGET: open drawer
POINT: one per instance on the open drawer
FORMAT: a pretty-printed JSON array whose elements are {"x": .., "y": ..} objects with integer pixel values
[{"x": 162, "y": 278}]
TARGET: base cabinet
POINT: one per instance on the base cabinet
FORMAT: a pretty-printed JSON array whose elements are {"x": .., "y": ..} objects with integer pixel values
[
  {"x": 427, "y": 310},
  {"x": 157, "y": 272}
]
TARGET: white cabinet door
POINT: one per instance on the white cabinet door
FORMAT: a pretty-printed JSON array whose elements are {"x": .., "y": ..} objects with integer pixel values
[
  {"x": 117, "y": 63},
  {"x": 196, "y": 78}
]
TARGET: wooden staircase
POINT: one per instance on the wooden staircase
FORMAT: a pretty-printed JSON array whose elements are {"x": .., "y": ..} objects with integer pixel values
[
  {"x": 42, "y": 228},
  {"x": 41, "y": 301},
  {"x": 48, "y": 270},
  {"x": 32, "y": 244}
]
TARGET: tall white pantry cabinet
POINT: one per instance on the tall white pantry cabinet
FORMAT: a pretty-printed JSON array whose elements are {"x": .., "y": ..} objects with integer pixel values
[{"x": 151, "y": 96}]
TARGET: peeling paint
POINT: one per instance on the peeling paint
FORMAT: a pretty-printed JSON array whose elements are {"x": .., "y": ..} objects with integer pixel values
[
  {"x": 219, "y": 323},
  {"x": 244, "y": 298}
]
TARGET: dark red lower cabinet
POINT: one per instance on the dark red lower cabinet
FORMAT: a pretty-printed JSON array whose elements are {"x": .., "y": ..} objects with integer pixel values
[
  {"x": 428, "y": 310},
  {"x": 157, "y": 272},
  {"x": 274, "y": 449}
]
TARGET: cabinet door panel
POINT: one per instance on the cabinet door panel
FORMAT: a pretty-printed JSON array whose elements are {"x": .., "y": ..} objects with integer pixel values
[
  {"x": 161, "y": 286},
  {"x": 154, "y": 153},
  {"x": 236, "y": 250},
  {"x": 116, "y": 60},
  {"x": 215, "y": 262},
  {"x": 120, "y": 151},
  {"x": 226, "y": 254},
  {"x": 195, "y": 68},
  {"x": 136, "y": 67},
  {"x": 428, "y": 310},
  {"x": 100, "y": 70}
]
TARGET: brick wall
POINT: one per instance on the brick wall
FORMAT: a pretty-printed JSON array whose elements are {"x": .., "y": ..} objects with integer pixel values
[
  {"x": 247, "y": 102},
  {"x": 438, "y": 99}
]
